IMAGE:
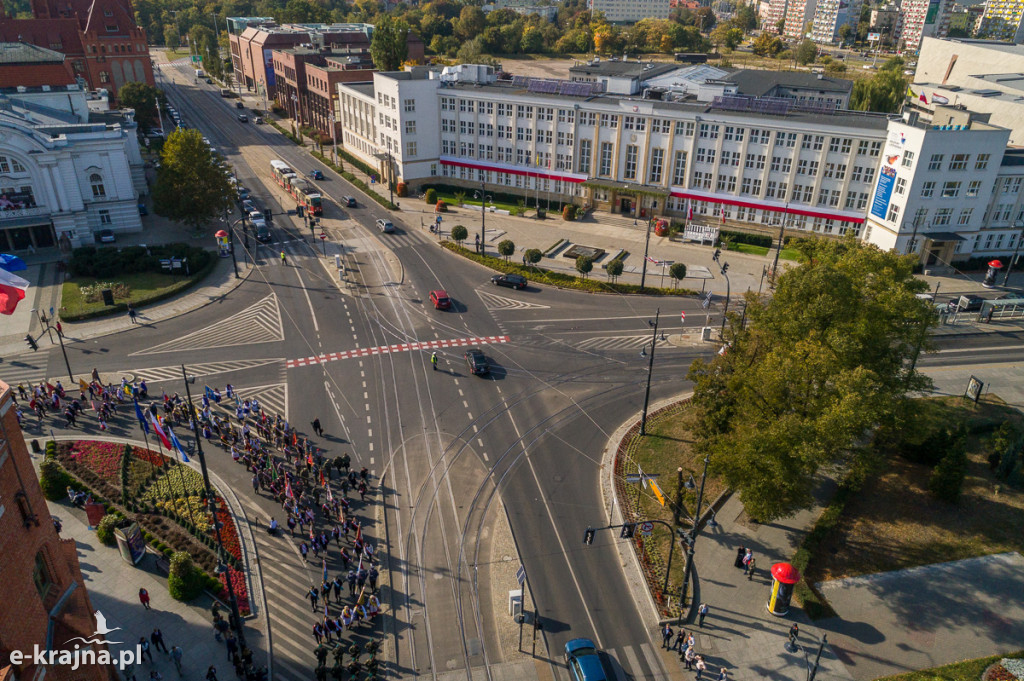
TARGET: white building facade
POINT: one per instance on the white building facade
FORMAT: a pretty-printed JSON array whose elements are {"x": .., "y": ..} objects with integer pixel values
[
  {"x": 630, "y": 11},
  {"x": 750, "y": 163},
  {"x": 62, "y": 177},
  {"x": 830, "y": 15}
]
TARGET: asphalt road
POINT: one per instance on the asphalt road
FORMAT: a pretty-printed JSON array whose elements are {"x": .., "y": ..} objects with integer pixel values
[{"x": 445, "y": 445}]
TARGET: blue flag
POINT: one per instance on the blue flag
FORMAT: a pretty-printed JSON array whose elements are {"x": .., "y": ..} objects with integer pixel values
[
  {"x": 325, "y": 572},
  {"x": 177, "y": 445},
  {"x": 142, "y": 419},
  {"x": 209, "y": 393}
]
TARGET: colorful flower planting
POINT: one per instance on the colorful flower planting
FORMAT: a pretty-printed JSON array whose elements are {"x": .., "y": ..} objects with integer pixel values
[
  {"x": 241, "y": 592},
  {"x": 102, "y": 458},
  {"x": 228, "y": 533}
]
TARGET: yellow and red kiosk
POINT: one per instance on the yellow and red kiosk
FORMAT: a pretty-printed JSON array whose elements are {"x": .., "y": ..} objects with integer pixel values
[{"x": 784, "y": 576}]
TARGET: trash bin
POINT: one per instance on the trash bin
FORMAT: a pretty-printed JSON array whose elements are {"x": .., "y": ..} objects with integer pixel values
[
  {"x": 108, "y": 296},
  {"x": 35, "y": 447}
]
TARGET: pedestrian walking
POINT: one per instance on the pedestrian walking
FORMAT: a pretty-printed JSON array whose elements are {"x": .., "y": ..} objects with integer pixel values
[
  {"x": 303, "y": 549},
  {"x": 433, "y": 360},
  {"x": 351, "y": 579},
  {"x": 313, "y": 596},
  {"x": 794, "y": 632},
  {"x": 702, "y": 612},
  {"x": 318, "y": 632},
  {"x": 132, "y": 313},
  {"x": 750, "y": 569},
  {"x": 740, "y": 552},
  {"x": 700, "y": 666},
  {"x": 317, "y": 428},
  {"x": 232, "y": 646},
  {"x": 747, "y": 557},
  {"x": 372, "y": 577},
  {"x": 157, "y": 639},
  {"x": 283, "y": 260},
  {"x": 176, "y": 655},
  {"x": 211, "y": 673},
  {"x": 666, "y": 636},
  {"x": 321, "y": 655},
  {"x": 144, "y": 646},
  {"x": 689, "y": 658},
  {"x": 144, "y": 598},
  {"x": 680, "y": 637},
  {"x": 723, "y": 674}
]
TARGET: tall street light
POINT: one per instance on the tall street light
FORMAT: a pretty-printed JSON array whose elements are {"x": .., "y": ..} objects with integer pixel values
[
  {"x": 650, "y": 370},
  {"x": 232, "y": 601},
  {"x": 692, "y": 538},
  {"x": 647, "y": 243},
  {"x": 1016, "y": 248},
  {"x": 782, "y": 235},
  {"x": 482, "y": 195},
  {"x": 728, "y": 288}
]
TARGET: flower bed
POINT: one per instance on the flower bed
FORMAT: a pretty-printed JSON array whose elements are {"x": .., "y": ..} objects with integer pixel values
[
  {"x": 155, "y": 459},
  {"x": 241, "y": 592},
  {"x": 228, "y": 531},
  {"x": 102, "y": 458},
  {"x": 179, "y": 480}
]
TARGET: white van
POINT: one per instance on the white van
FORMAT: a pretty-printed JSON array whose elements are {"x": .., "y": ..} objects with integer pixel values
[{"x": 199, "y": 73}]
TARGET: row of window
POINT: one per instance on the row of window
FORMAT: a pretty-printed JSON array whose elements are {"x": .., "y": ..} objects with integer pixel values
[{"x": 409, "y": 105}]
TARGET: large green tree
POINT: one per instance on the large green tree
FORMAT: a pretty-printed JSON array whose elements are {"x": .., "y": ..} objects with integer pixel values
[
  {"x": 885, "y": 92},
  {"x": 806, "y": 52},
  {"x": 818, "y": 366},
  {"x": 142, "y": 98},
  {"x": 389, "y": 46},
  {"x": 191, "y": 185}
]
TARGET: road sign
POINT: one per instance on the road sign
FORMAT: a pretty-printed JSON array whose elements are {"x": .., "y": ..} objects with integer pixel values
[
  {"x": 633, "y": 478},
  {"x": 323, "y": 235},
  {"x": 197, "y": 58},
  {"x": 521, "y": 575},
  {"x": 646, "y": 528},
  {"x": 682, "y": 316},
  {"x": 657, "y": 493}
]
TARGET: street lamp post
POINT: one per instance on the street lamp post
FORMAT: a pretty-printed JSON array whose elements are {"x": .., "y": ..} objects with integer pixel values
[
  {"x": 48, "y": 327},
  {"x": 1016, "y": 248},
  {"x": 728, "y": 288},
  {"x": 483, "y": 215},
  {"x": 912, "y": 244},
  {"x": 650, "y": 370},
  {"x": 692, "y": 540},
  {"x": 647, "y": 243},
  {"x": 391, "y": 179},
  {"x": 232, "y": 601},
  {"x": 782, "y": 235}
]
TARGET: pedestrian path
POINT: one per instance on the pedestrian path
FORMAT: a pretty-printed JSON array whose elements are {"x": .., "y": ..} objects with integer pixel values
[
  {"x": 398, "y": 347},
  {"x": 173, "y": 373},
  {"x": 258, "y": 323},
  {"x": 27, "y": 369}
]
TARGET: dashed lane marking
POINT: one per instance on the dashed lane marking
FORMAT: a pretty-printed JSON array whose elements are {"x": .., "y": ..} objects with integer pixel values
[{"x": 398, "y": 347}]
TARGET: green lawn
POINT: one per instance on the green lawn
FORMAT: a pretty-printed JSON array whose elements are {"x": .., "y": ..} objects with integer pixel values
[
  {"x": 968, "y": 670},
  {"x": 470, "y": 201},
  {"x": 787, "y": 253},
  {"x": 143, "y": 288},
  {"x": 173, "y": 55}
]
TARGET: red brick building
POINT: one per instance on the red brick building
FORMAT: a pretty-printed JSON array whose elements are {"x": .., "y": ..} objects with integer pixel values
[
  {"x": 41, "y": 587},
  {"x": 100, "y": 38},
  {"x": 307, "y": 81}
]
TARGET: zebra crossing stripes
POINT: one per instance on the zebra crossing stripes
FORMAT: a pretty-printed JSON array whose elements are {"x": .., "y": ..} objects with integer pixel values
[
  {"x": 26, "y": 371},
  {"x": 273, "y": 398},
  {"x": 618, "y": 342},
  {"x": 625, "y": 662},
  {"x": 492, "y": 301},
  {"x": 398, "y": 347},
  {"x": 173, "y": 373},
  {"x": 258, "y": 323}
]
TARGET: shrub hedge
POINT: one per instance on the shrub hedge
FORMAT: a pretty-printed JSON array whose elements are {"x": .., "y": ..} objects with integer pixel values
[
  {"x": 745, "y": 238},
  {"x": 107, "y": 263}
]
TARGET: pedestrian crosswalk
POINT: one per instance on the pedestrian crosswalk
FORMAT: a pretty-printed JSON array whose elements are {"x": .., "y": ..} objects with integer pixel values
[
  {"x": 624, "y": 663},
  {"x": 26, "y": 370},
  {"x": 258, "y": 323},
  {"x": 493, "y": 301},
  {"x": 618, "y": 342},
  {"x": 156, "y": 375},
  {"x": 397, "y": 347}
]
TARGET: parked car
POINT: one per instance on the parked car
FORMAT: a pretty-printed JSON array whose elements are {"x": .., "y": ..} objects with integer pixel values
[
  {"x": 249, "y": 207},
  {"x": 348, "y": 201},
  {"x": 440, "y": 299},
  {"x": 143, "y": 210},
  {"x": 243, "y": 118},
  {"x": 209, "y": 81},
  {"x": 316, "y": 174},
  {"x": 515, "y": 281},
  {"x": 105, "y": 236},
  {"x": 258, "y": 120},
  {"x": 385, "y": 226},
  {"x": 583, "y": 660},
  {"x": 476, "y": 361},
  {"x": 239, "y": 105}
]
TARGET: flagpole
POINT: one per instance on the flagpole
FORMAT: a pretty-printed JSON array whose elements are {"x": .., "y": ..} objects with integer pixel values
[
  {"x": 145, "y": 434},
  {"x": 184, "y": 489}
]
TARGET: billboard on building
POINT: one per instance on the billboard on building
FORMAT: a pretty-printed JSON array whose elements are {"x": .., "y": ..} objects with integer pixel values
[
  {"x": 268, "y": 66},
  {"x": 887, "y": 176}
]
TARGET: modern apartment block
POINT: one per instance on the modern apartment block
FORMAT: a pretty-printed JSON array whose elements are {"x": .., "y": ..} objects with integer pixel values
[
  {"x": 799, "y": 18},
  {"x": 830, "y": 15},
  {"x": 630, "y": 11},
  {"x": 1003, "y": 20},
  {"x": 915, "y": 15},
  {"x": 757, "y": 163}
]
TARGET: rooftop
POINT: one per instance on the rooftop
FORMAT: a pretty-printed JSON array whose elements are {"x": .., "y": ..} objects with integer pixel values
[
  {"x": 1013, "y": 157},
  {"x": 859, "y": 119},
  {"x": 996, "y": 45},
  {"x": 755, "y": 83},
  {"x": 623, "y": 69},
  {"x": 23, "y": 53},
  {"x": 363, "y": 88}
]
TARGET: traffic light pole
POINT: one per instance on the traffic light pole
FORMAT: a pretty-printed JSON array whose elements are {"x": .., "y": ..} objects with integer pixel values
[{"x": 627, "y": 530}]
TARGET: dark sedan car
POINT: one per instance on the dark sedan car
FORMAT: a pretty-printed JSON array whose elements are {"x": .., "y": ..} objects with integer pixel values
[
  {"x": 477, "y": 362},
  {"x": 511, "y": 280},
  {"x": 970, "y": 302}
]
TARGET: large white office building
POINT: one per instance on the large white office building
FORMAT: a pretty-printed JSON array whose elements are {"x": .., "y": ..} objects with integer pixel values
[{"x": 754, "y": 163}]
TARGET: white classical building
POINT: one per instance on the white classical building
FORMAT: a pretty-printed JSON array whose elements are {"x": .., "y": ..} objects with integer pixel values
[
  {"x": 65, "y": 173},
  {"x": 755, "y": 163}
]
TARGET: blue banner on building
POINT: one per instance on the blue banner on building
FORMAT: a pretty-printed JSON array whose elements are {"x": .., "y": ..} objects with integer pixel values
[{"x": 883, "y": 193}]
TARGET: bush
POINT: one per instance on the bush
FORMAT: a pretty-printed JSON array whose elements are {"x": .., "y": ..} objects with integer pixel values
[
  {"x": 533, "y": 255},
  {"x": 54, "y": 480},
  {"x": 928, "y": 449},
  {"x": 745, "y": 238},
  {"x": 506, "y": 247},
  {"x": 569, "y": 212},
  {"x": 677, "y": 272},
  {"x": 106, "y": 263},
  {"x": 184, "y": 581},
  {"x": 947, "y": 479},
  {"x": 441, "y": 207},
  {"x": 402, "y": 189},
  {"x": 614, "y": 268},
  {"x": 431, "y": 196},
  {"x": 105, "y": 530},
  {"x": 584, "y": 264},
  {"x": 459, "y": 233}
]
